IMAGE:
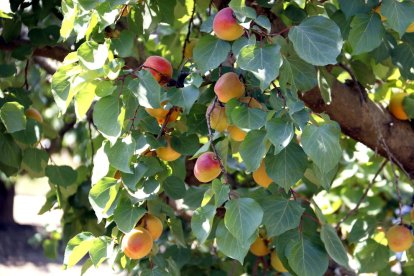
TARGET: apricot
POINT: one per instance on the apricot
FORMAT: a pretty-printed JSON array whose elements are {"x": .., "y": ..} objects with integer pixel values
[
  {"x": 207, "y": 167},
  {"x": 236, "y": 133},
  {"x": 399, "y": 238},
  {"x": 396, "y": 106},
  {"x": 259, "y": 247},
  {"x": 34, "y": 114},
  {"x": 410, "y": 28},
  {"x": 137, "y": 244},
  {"x": 277, "y": 263},
  {"x": 251, "y": 102},
  {"x": 161, "y": 114},
  {"x": 125, "y": 10},
  {"x": 228, "y": 86},
  {"x": 153, "y": 225},
  {"x": 159, "y": 67},
  {"x": 225, "y": 25},
  {"x": 261, "y": 177},
  {"x": 218, "y": 117},
  {"x": 167, "y": 153},
  {"x": 117, "y": 175}
]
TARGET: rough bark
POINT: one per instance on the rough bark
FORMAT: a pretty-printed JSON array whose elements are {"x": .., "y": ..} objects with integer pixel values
[{"x": 367, "y": 123}]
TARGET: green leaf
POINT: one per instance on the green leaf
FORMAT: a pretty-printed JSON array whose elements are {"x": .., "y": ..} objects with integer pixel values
[
  {"x": 230, "y": 246},
  {"x": 354, "y": 7},
  {"x": 61, "y": 85},
  {"x": 322, "y": 145},
  {"x": 263, "y": 22},
  {"x": 120, "y": 153},
  {"x": 298, "y": 73},
  {"x": 243, "y": 217},
  {"x": 61, "y": 175},
  {"x": 85, "y": 94},
  {"x": 306, "y": 259},
  {"x": 127, "y": 215},
  {"x": 131, "y": 179},
  {"x": 146, "y": 89},
  {"x": 366, "y": 33},
  {"x": 210, "y": 52},
  {"x": 248, "y": 118},
  {"x": 408, "y": 104},
  {"x": 333, "y": 245},
  {"x": 399, "y": 14},
  {"x": 92, "y": 55},
  {"x": 35, "y": 161},
  {"x": 280, "y": 133},
  {"x": 280, "y": 215},
  {"x": 287, "y": 167},
  {"x": 262, "y": 61},
  {"x": 30, "y": 135},
  {"x": 77, "y": 248},
  {"x": 7, "y": 70},
  {"x": 176, "y": 227},
  {"x": 100, "y": 250},
  {"x": 102, "y": 197},
  {"x": 185, "y": 97},
  {"x": 317, "y": 40},
  {"x": 106, "y": 113},
  {"x": 253, "y": 148},
  {"x": 403, "y": 58},
  {"x": 325, "y": 82},
  {"x": 221, "y": 192},
  {"x": 373, "y": 256},
  {"x": 186, "y": 144},
  {"x": 202, "y": 222},
  {"x": 174, "y": 187},
  {"x": 10, "y": 152},
  {"x": 325, "y": 178},
  {"x": 12, "y": 116},
  {"x": 124, "y": 45}
]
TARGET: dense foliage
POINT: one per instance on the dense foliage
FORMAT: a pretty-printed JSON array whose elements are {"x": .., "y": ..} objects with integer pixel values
[{"x": 222, "y": 151}]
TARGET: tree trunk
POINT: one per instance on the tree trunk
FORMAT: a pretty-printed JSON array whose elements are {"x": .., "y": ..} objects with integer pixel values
[{"x": 6, "y": 203}]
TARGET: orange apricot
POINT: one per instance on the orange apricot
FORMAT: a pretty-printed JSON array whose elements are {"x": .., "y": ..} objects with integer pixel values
[
  {"x": 137, "y": 244},
  {"x": 261, "y": 177},
  {"x": 277, "y": 263},
  {"x": 236, "y": 133},
  {"x": 167, "y": 153},
  {"x": 160, "y": 68},
  {"x": 399, "y": 238},
  {"x": 226, "y": 26},
  {"x": 228, "y": 87},
  {"x": 251, "y": 102},
  {"x": 259, "y": 247},
  {"x": 218, "y": 117},
  {"x": 153, "y": 225},
  {"x": 207, "y": 167},
  {"x": 396, "y": 106}
]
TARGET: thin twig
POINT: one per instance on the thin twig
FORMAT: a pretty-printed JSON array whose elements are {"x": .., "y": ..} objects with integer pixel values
[
  {"x": 362, "y": 93},
  {"x": 165, "y": 123},
  {"x": 190, "y": 23},
  {"x": 364, "y": 195},
  {"x": 26, "y": 69},
  {"x": 210, "y": 134},
  {"x": 133, "y": 119}
]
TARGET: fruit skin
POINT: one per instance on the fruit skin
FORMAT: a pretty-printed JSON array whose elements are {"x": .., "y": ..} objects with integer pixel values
[
  {"x": 153, "y": 225},
  {"x": 251, "y": 102},
  {"x": 225, "y": 25},
  {"x": 34, "y": 114},
  {"x": 137, "y": 244},
  {"x": 163, "y": 68},
  {"x": 399, "y": 238},
  {"x": 259, "y": 247},
  {"x": 167, "y": 153},
  {"x": 277, "y": 263},
  {"x": 161, "y": 114},
  {"x": 410, "y": 28},
  {"x": 261, "y": 177},
  {"x": 228, "y": 87},
  {"x": 236, "y": 133},
  {"x": 218, "y": 117},
  {"x": 207, "y": 167},
  {"x": 396, "y": 106}
]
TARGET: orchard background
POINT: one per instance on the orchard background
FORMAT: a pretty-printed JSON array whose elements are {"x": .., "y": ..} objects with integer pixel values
[{"x": 279, "y": 142}]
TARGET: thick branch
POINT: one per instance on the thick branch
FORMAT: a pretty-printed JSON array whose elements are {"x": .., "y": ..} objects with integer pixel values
[{"x": 367, "y": 123}]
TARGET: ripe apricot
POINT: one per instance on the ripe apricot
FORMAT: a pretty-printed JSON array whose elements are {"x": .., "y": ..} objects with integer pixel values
[
  {"x": 410, "y": 28},
  {"x": 159, "y": 67},
  {"x": 396, "y": 106},
  {"x": 277, "y": 263},
  {"x": 251, "y": 102},
  {"x": 225, "y": 25},
  {"x": 259, "y": 247},
  {"x": 218, "y": 118},
  {"x": 153, "y": 225},
  {"x": 261, "y": 177},
  {"x": 34, "y": 114},
  {"x": 137, "y": 244},
  {"x": 228, "y": 86},
  {"x": 236, "y": 133},
  {"x": 161, "y": 114},
  {"x": 207, "y": 167},
  {"x": 399, "y": 238},
  {"x": 167, "y": 153}
]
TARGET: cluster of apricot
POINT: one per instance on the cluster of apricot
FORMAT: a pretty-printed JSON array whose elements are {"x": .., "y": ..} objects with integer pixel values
[
  {"x": 396, "y": 106},
  {"x": 138, "y": 243},
  {"x": 260, "y": 248},
  {"x": 399, "y": 238}
]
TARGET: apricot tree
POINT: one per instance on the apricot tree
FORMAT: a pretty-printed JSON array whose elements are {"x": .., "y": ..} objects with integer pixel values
[{"x": 215, "y": 137}]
